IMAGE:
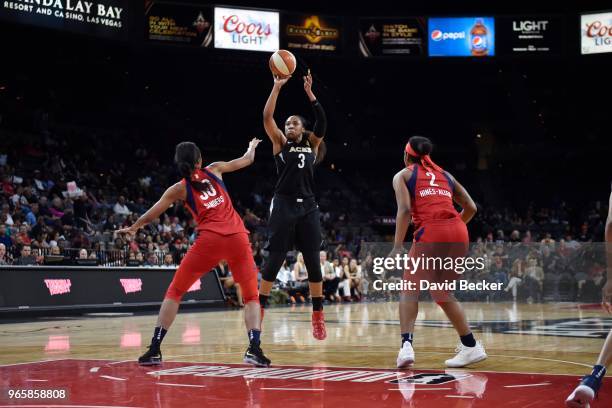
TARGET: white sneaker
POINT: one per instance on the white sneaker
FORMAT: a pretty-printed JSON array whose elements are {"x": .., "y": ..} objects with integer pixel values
[
  {"x": 405, "y": 358},
  {"x": 581, "y": 397},
  {"x": 467, "y": 355}
]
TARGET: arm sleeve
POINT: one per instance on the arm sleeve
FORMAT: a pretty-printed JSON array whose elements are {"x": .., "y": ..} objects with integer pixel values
[{"x": 320, "y": 125}]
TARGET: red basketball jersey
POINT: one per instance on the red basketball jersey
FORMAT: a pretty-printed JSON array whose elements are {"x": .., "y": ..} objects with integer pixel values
[
  {"x": 431, "y": 193},
  {"x": 212, "y": 206}
]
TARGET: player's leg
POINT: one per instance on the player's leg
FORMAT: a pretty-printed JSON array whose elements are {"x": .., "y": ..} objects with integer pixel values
[
  {"x": 280, "y": 239},
  {"x": 584, "y": 393},
  {"x": 452, "y": 241},
  {"x": 240, "y": 260},
  {"x": 308, "y": 241},
  {"x": 195, "y": 263},
  {"x": 408, "y": 311}
]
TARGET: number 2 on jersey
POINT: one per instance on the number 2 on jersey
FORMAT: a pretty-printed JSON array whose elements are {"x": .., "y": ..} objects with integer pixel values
[{"x": 432, "y": 182}]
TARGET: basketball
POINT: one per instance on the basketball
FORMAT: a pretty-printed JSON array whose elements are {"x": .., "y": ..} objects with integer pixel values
[{"x": 282, "y": 63}]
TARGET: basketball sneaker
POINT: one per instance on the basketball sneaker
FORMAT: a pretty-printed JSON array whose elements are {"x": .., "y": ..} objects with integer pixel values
[
  {"x": 318, "y": 325},
  {"x": 587, "y": 390},
  {"x": 254, "y": 355},
  {"x": 467, "y": 355},
  {"x": 405, "y": 358},
  {"x": 152, "y": 356}
]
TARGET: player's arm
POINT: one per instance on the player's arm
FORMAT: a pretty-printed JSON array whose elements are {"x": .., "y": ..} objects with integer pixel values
[
  {"x": 276, "y": 136},
  {"x": 174, "y": 193},
  {"x": 218, "y": 168},
  {"x": 320, "y": 125},
  {"x": 402, "y": 221},
  {"x": 462, "y": 197},
  {"x": 606, "y": 300}
]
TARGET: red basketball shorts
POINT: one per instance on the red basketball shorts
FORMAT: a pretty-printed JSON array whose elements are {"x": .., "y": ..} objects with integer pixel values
[
  {"x": 438, "y": 244},
  {"x": 207, "y": 251}
]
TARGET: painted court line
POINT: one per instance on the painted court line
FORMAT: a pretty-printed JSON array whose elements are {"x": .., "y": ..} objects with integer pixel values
[
  {"x": 459, "y": 396},
  {"x": 526, "y": 385},
  {"x": 33, "y": 362},
  {"x": 418, "y": 389},
  {"x": 64, "y": 406},
  {"x": 293, "y": 389},
  {"x": 113, "y": 378},
  {"x": 33, "y": 380},
  {"x": 94, "y": 369},
  {"x": 182, "y": 385}
]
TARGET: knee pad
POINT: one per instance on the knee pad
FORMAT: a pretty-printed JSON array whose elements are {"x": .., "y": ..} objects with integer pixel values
[
  {"x": 275, "y": 261},
  {"x": 174, "y": 293}
]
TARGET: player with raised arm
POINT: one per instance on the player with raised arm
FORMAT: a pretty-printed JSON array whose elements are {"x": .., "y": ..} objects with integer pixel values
[
  {"x": 221, "y": 236},
  {"x": 294, "y": 213}
]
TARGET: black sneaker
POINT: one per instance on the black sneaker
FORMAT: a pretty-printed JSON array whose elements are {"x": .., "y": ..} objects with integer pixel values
[
  {"x": 151, "y": 357},
  {"x": 254, "y": 355}
]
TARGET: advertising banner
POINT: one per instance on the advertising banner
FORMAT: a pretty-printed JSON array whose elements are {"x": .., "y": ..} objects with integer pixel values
[
  {"x": 242, "y": 29},
  {"x": 461, "y": 37},
  {"x": 392, "y": 37}
]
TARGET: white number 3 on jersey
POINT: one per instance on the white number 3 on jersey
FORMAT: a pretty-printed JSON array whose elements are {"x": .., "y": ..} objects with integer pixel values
[{"x": 302, "y": 162}]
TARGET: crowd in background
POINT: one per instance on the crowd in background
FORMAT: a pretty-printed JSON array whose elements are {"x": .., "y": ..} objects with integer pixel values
[{"x": 537, "y": 255}]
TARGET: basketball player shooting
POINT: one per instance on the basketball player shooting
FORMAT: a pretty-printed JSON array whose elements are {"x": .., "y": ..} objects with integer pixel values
[{"x": 294, "y": 213}]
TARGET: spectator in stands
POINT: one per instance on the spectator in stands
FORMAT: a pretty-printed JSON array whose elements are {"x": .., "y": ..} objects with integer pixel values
[
  {"x": 121, "y": 208},
  {"x": 26, "y": 257},
  {"x": 516, "y": 278},
  {"x": 330, "y": 280},
  {"x": 55, "y": 250},
  {"x": 5, "y": 237},
  {"x": 232, "y": 290},
  {"x": 285, "y": 275},
  {"x": 345, "y": 279},
  {"x": 152, "y": 259},
  {"x": 301, "y": 277},
  {"x": 3, "y": 257},
  {"x": 169, "y": 261},
  {"x": 5, "y": 215},
  {"x": 534, "y": 279},
  {"x": 32, "y": 214},
  {"x": 355, "y": 276},
  {"x": 498, "y": 272},
  {"x": 83, "y": 254},
  {"x": 38, "y": 256}
]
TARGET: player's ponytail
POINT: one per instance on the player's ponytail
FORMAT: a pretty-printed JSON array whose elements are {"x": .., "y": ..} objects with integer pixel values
[
  {"x": 418, "y": 150},
  {"x": 421, "y": 145},
  {"x": 186, "y": 155}
]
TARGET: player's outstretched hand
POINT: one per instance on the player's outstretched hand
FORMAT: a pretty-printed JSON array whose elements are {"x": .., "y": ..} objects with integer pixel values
[
  {"x": 130, "y": 231},
  {"x": 278, "y": 81},
  {"x": 606, "y": 297},
  {"x": 308, "y": 86},
  {"x": 254, "y": 142}
]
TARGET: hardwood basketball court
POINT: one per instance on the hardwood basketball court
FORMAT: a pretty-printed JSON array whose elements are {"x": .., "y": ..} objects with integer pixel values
[{"x": 536, "y": 355}]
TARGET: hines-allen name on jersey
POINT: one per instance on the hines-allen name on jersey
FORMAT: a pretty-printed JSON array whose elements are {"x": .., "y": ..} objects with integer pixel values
[
  {"x": 300, "y": 149},
  {"x": 434, "y": 192},
  {"x": 213, "y": 203}
]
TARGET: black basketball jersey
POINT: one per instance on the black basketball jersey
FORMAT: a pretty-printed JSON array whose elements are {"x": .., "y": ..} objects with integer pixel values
[{"x": 295, "y": 169}]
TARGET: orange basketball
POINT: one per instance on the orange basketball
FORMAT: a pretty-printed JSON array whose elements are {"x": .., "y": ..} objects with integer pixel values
[{"x": 282, "y": 63}]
